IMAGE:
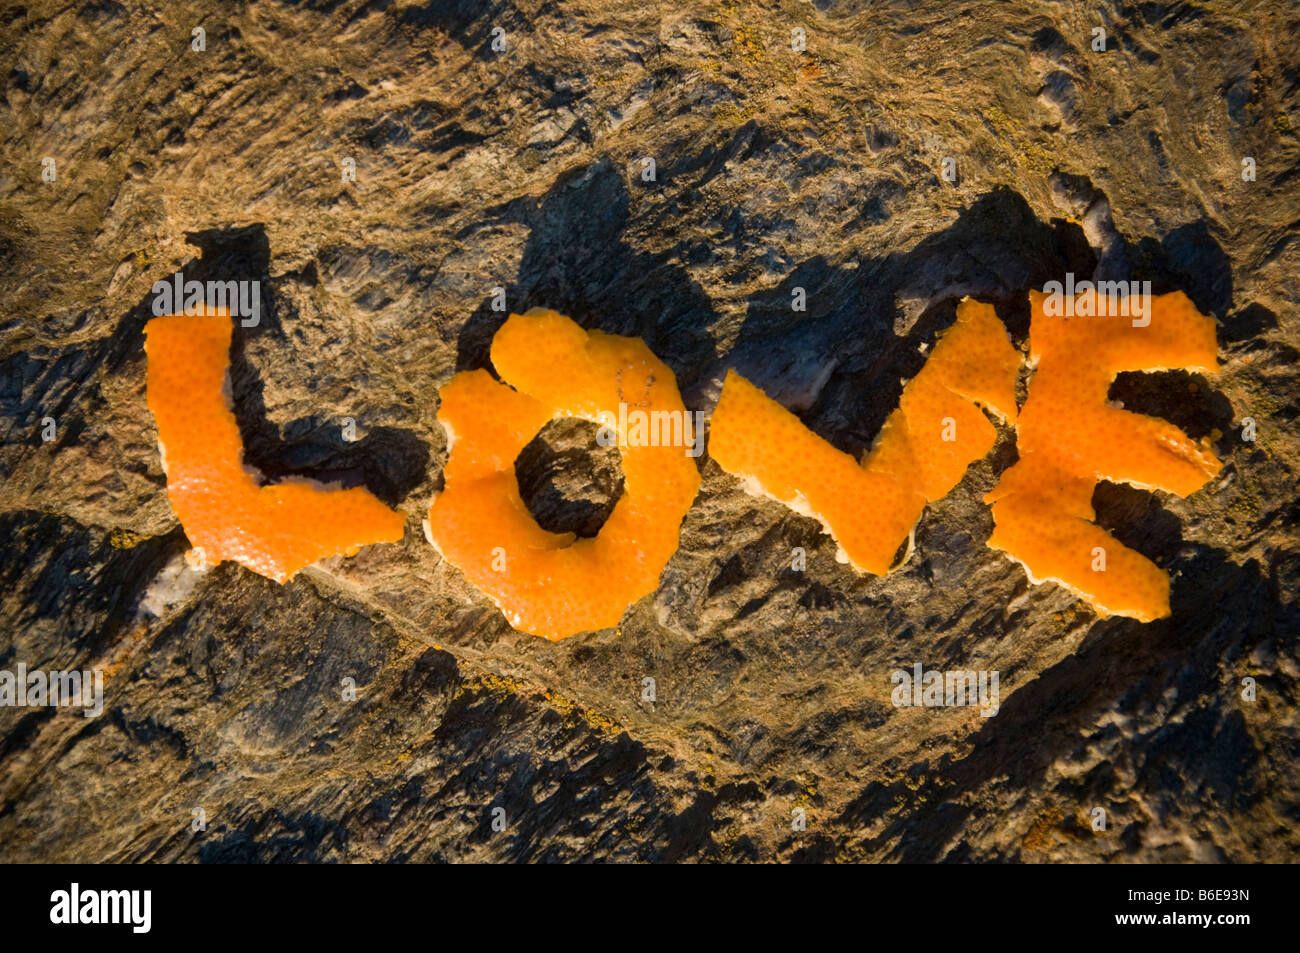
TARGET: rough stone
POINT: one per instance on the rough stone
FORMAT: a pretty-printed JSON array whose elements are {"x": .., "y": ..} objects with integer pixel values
[{"x": 477, "y": 169}]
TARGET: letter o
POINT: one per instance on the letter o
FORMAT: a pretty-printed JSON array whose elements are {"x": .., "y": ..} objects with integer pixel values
[{"x": 555, "y": 585}]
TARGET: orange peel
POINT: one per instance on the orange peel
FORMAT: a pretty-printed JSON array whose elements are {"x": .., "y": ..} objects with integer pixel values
[
  {"x": 920, "y": 454},
  {"x": 552, "y": 584},
  {"x": 273, "y": 530},
  {"x": 1069, "y": 438}
]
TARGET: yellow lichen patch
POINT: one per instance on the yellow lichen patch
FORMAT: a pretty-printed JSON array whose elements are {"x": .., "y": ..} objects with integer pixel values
[
  {"x": 124, "y": 539},
  {"x": 1069, "y": 438},
  {"x": 920, "y": 454},
  {"x": 273, "y": 530},
  {"x": 551, "y": 584}
]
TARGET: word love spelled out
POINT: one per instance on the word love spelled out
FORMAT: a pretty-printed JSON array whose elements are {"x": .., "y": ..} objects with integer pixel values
[{"x": 555, "y": 585}]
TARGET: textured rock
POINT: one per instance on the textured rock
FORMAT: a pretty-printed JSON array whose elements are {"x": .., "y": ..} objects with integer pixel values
[{"x": 774, "y": 170}]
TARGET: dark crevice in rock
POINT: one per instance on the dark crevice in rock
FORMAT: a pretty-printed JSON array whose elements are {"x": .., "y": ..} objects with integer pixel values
[
  {"x": 569, "y": 482},
  {"x": 1186, "y": 400}
]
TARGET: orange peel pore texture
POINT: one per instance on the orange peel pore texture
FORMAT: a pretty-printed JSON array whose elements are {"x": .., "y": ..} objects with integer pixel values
[
  {"x": 552, "y": 584},
  {"x": 920, "y": 454},
  {"x": 1069, "y": 438},
  {"x": 273, "y": 530}
]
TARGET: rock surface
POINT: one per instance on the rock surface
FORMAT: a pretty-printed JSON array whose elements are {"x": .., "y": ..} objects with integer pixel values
[{"x": 522, "y": 169}]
